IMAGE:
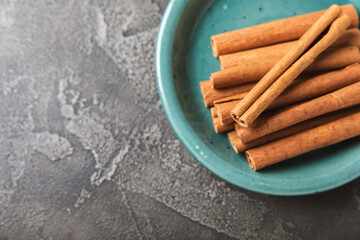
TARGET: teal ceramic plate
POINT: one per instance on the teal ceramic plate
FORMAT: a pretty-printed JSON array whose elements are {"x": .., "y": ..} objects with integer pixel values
[{"x": 184, "y": 58}]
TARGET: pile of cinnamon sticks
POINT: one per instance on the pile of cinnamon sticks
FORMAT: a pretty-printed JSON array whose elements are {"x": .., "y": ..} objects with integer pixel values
[{"x": 289, "y": 86}]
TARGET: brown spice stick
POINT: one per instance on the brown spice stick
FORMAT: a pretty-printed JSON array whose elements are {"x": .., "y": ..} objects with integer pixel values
[
  {"x": 210, "y": 94},
  {"x": 330, "y": 59},
  {"x": 312, "y": 139},
  {"x": 255, "y": 56},
  {"x": 304, "y": 89},
  {"x": 218, "y": 126},
  {"x": 283, "y": 118},
  {"x": 337, "y": 28},
  {"x": 234, "y": 140},
  {"x": 300, "y": 127},
  {"x": 272, "y": 32}
]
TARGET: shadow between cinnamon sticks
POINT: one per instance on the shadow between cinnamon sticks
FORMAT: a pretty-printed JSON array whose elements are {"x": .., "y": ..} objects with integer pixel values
[
  {"x": 283, "y": 118},
  {"x": 306, "y": 141},
  {"x": 304, "y": 89}
]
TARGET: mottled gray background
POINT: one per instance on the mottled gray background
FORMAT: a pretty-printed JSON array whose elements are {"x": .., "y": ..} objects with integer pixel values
[{"x": 87, "y": 153}]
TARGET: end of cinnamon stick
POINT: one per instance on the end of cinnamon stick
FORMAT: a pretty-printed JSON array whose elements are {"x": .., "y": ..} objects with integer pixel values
[
  {"x": 221, "y": 62},
  {"x": 350, "y": 10},
  {"x": 237, "y": 119},
  {"x": 232, "y": 136},
  {"x": 214, "y": 48},
  {"x": 344, "y": 21},
  {"x": 251, "y": 161},
  {"x": 203, "y": 93},
  {"x": 214, "y": 119},
  {"x": 233, "y": 115},
  {"x": 218, "y": 126},
  {"x": 243, "y": 123},
  {"x": 211, "y": 79}
]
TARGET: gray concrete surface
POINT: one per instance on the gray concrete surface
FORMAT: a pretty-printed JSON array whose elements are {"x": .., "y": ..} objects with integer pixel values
[{"x": 86, "y": 151}]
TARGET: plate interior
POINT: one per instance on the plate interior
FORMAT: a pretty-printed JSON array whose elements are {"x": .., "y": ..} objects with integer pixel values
[{"x": 192, "y": 62}]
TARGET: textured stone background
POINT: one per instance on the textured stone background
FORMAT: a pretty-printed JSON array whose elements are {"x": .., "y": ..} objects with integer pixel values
[{"x": 79, "y": 159}]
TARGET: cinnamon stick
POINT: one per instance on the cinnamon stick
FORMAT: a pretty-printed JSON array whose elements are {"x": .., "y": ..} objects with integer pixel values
[
  {"x": 304, "y": 89},
  {"x": 254, "y": 56},
  {"x": 300, "y": 127},
  {"x": 245, "y": 116},
  {"x": 272, "y": 32},
  {"x": 330, "y": 59},
  {"x": 234, "y": 140},
  {"x": 312, "y": 139},
  {"x": 218, "y": 126},
  {"x": 210, "y": 94},
  {"x": 283, "y": 118}
]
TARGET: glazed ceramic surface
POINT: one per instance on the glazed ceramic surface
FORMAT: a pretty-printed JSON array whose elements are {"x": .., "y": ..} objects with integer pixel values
[{"x": 184, "y": 58}]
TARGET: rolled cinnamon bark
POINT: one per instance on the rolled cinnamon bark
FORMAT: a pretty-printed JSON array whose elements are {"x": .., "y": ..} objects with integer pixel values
[
  {"x": 210, "y": 94},
  {"x": 337, "y": 28},
  {"x": 272, "y": 32},
  {"x": 330, "y": 59},
  {"x": 218, "y": 126},
  {"x": 234, "y": 140},
  {"x": 304, "y": 89},
  {"x": 312, "y": 139},
  {"x": 255, "y": 56},
  {"x": 283, "y": 118},
  {"x": 300, "y": 127}
]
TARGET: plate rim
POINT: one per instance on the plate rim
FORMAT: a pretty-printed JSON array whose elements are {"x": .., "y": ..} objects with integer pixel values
[{"x": 194, "y": 144}]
